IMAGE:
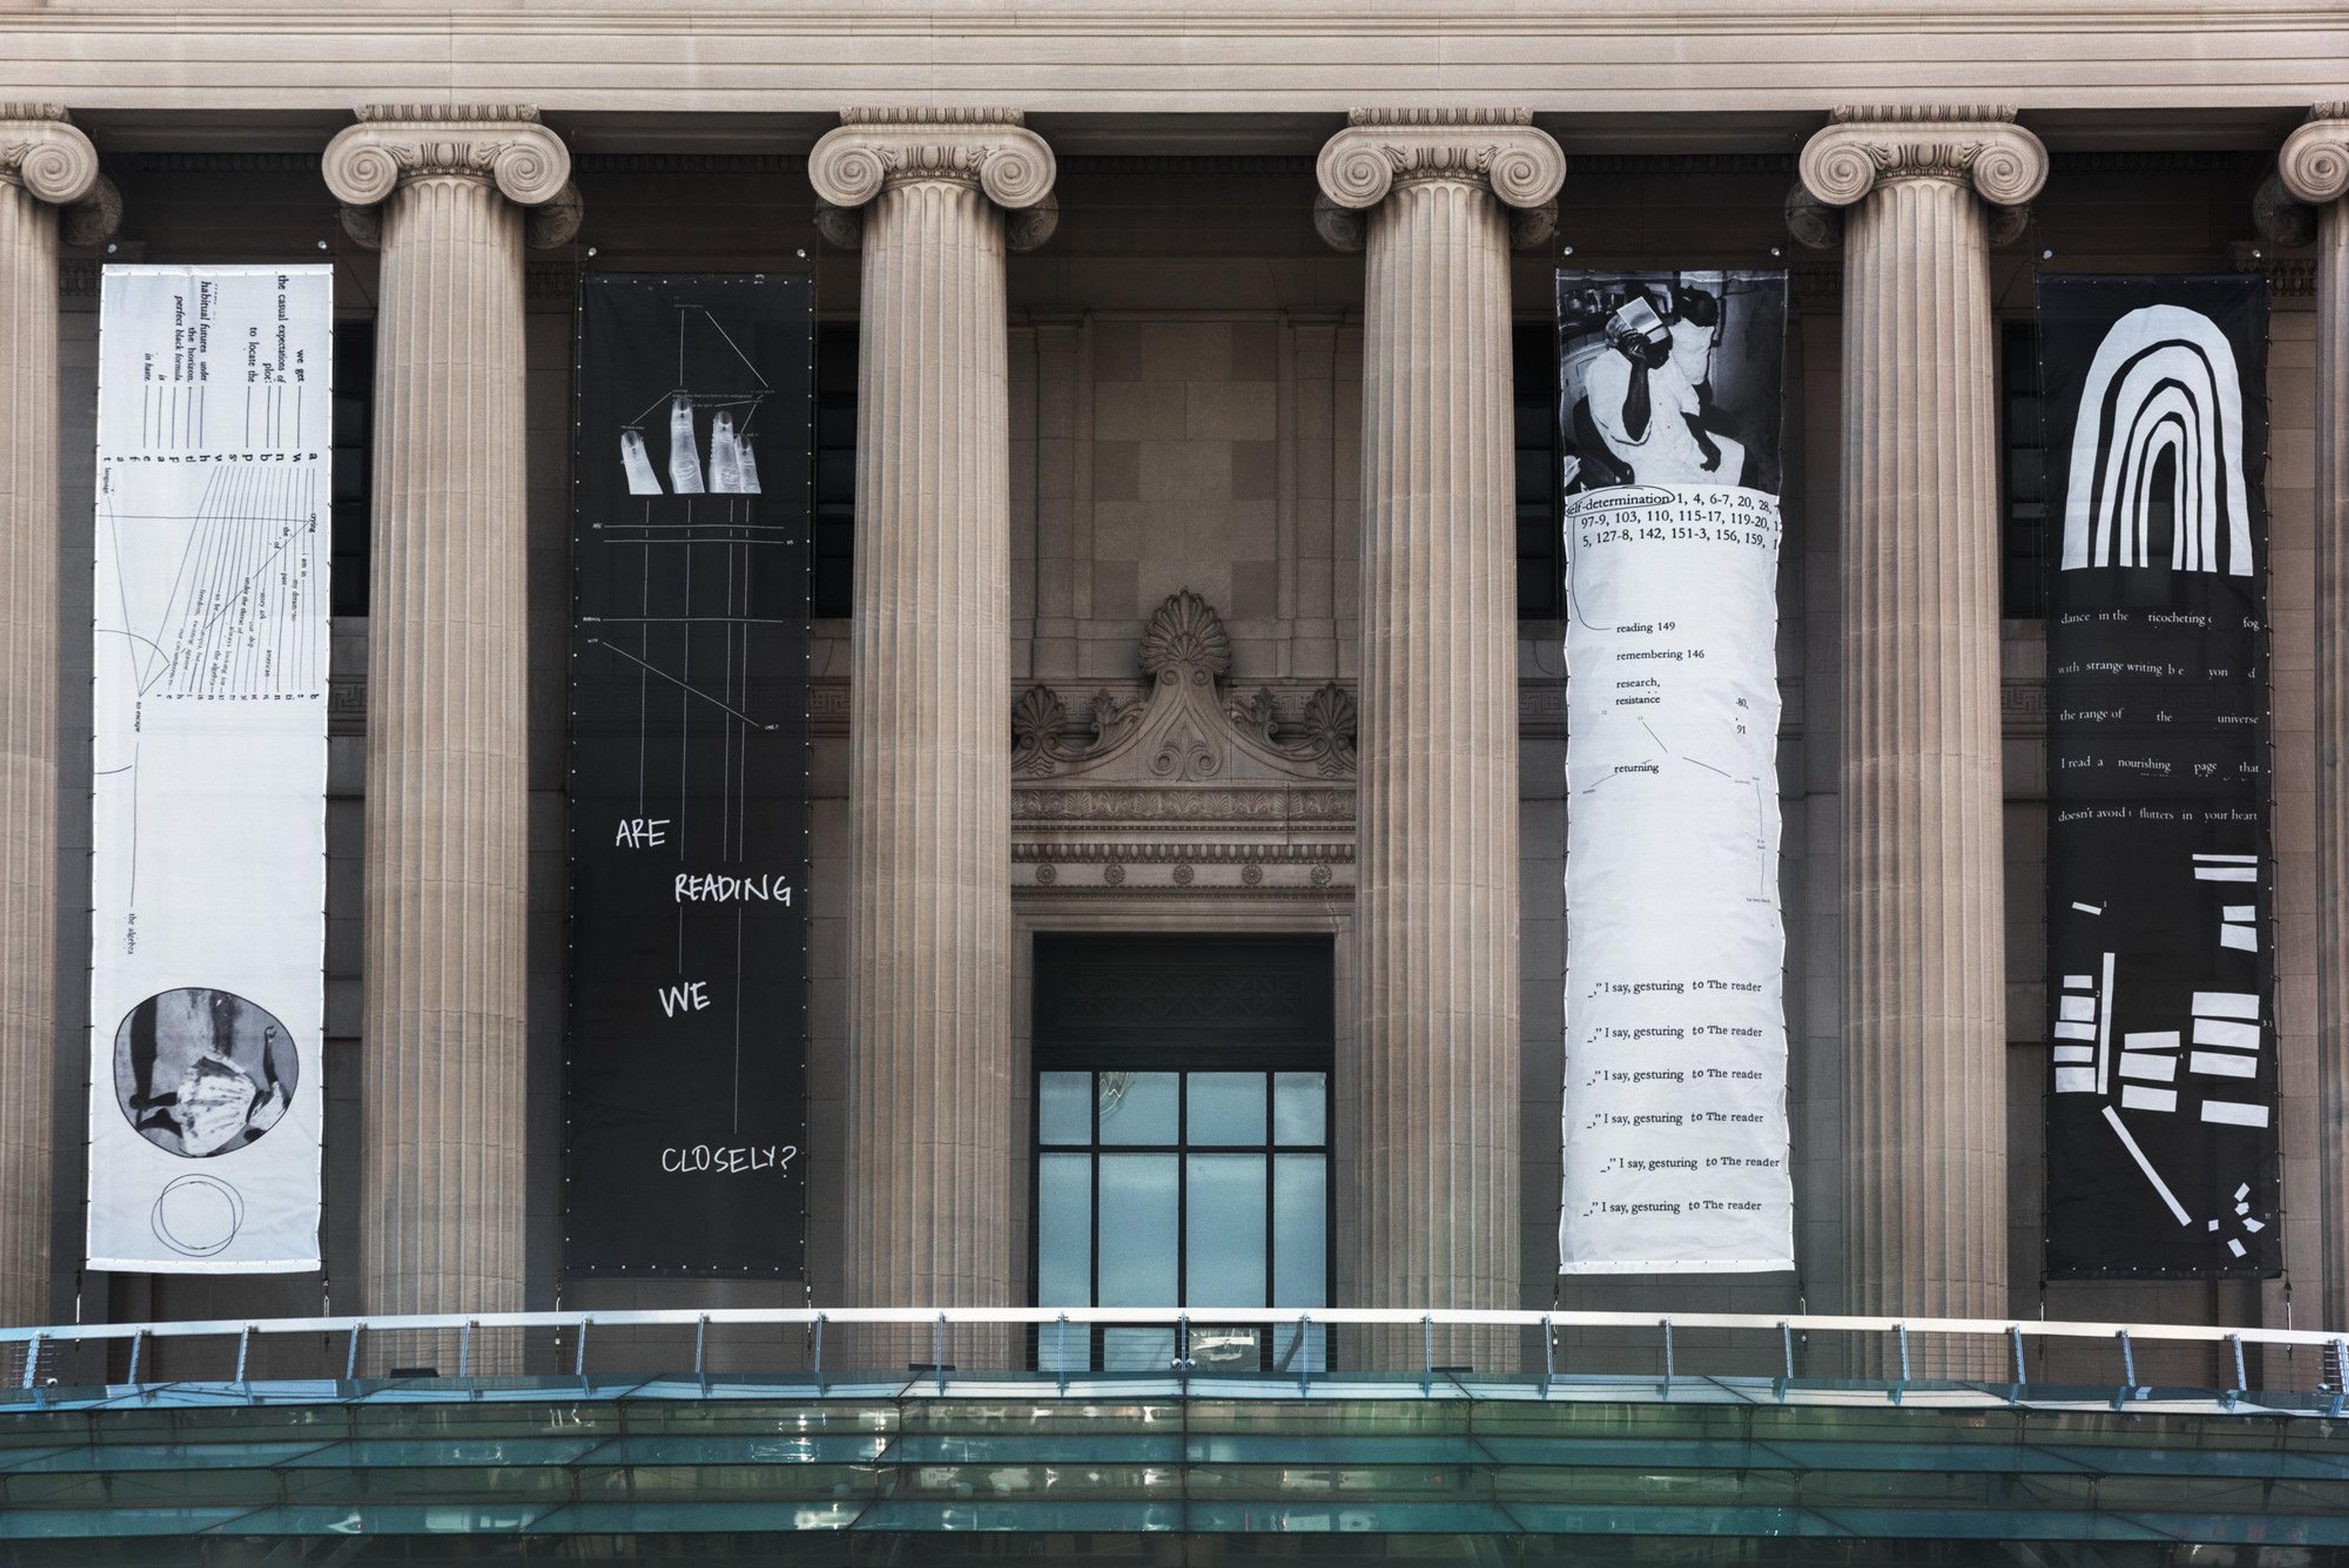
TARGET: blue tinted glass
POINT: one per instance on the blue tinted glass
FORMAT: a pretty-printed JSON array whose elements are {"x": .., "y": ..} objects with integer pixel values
[
  {"x": 1138, "y": 1107},
  {"x": 1226, "y": 1107},
  {"x": 1224, "y": 1230},
  {"x": 1137, "y": 1229},
  {"x": 1064, "y": 1229},
  {"x": 1065, "y": 1107},
  {"x": 1137, "y": 1349},
  {"x": 1301, "y": 1108},
  {"x": 1300, "y": 1224}
]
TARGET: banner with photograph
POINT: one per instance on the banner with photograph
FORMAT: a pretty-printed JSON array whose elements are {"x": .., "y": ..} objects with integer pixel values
[
  {"x": 688, "y": 778},
  {"x": 208, "y": 768},
  {"x": 1675, "y": 1107},
  {"x": 2161, "y": 1105}
]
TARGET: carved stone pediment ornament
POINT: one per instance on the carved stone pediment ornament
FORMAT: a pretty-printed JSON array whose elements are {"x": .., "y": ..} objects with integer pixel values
[
  {"x": 987, "y": 150},
  {"x": 1964, "y": 144},
  {"x": 1498, "y": 149},
  {"x": 503, "y": 144},
  {"x": 1181, "y": 731}
]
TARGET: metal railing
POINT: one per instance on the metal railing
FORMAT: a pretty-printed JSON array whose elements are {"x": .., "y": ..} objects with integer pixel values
[{"x": 1996, "y": 1356}]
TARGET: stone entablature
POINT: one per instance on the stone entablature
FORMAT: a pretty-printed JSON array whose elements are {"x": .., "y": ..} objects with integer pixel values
[{"x": 1183, "y": 789}]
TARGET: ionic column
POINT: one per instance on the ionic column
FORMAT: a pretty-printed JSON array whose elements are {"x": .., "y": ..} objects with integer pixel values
[
  {"x": 1433, "y": 1212},
  {"x": 929, "y": 1147},
  {"x": 45, "y": 163},
  {"x": 443, "y": 1095},
  {"x": 1924, "y": 966},
  {"x": 2314, "y": 169}
]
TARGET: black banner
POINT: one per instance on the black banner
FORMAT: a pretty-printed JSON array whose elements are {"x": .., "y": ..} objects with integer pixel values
[
  {"x": 687, "y": 1097},
  {"x": 2161, "y": 1138}
]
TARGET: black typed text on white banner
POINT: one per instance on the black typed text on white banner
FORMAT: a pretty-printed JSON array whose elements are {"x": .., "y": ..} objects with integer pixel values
[
  {"x": 688, "y": 1032},
  {"x": 2161, "y": 1142},
  {"x": 1674, "y": 1119},
  {"x": 208, "y": 782}
]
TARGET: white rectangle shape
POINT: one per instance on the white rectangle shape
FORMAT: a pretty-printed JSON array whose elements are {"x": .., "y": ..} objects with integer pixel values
[
  {"x": 2225, "y": 872},
  {"x": 2230, "y": 859},
  {"x": 2151, "y": 1040},
  {"x": 2075, "y": 1031},
  {"x": 2088, "y": 908},
  {"x": 2075, "y": 1053},
  {"x": 2082, "y": 1008},
  {"x": 2135, "y": 1098},
  {"x": 208, "y": 772},
  {"x": 1674, "y": 1118},
  {"x": 2234, "y": 1114},
  {"x": 2075, "y": 1080},
  {"x": 2234, "y": 1246},
  {"x": 2223, "y": 1065},
  {"x": 2218, "y": 1031},
  {"x": 2242, "y": 938},
  {"x": 2152, "y": 1069},
  {"x": 2225, "y": 1004},
  {"x": 2079, "y": 983},
  {"x": 2241, "y": 912}
]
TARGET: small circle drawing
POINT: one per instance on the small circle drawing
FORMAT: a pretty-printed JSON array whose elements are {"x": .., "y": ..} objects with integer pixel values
[
  {"x": 201, "y": 1072},
  {"x": 1115, "y": 875},
  {"x": 196, "y": 1216},
  {"x": 1046, "y": 874},
  {"x": 1183, "y": 875}
]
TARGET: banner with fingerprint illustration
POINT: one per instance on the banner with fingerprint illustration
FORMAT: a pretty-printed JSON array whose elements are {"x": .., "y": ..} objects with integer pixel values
[
  {"x": 1675, "y": 1102},
  {"x": 208, "y": 768},
  {"x": 2161, "y": 1028}
]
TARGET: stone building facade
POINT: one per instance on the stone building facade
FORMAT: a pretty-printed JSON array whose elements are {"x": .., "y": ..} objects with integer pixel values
[{"x": 1183, "y": 406}]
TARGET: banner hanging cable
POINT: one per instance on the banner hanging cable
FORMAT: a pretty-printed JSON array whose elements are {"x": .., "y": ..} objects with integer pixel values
[
  {"x": 1674, "y": 1119},
  {"x": 2161, "y": 1142}
]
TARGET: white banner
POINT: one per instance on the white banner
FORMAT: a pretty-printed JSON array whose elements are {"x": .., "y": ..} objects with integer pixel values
[
  {"x": 208, "y": 768},
  {"x": 1675, "y": 1109}
]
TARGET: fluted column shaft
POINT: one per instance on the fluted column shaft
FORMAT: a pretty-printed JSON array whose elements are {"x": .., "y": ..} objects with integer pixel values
[
  {"x": 927, "y": 1190},
  {"x": 1924, "y": 1154},
  {"x": 1434, "y": 1205},
  {"x": 29, "y": 138},
  {"x": 443, "y": 1101},
  {"x": 2315, "y": 166}
]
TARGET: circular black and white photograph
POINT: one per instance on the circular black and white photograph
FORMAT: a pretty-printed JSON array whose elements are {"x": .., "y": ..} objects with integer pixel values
[{"x": 201, "y": 1072}]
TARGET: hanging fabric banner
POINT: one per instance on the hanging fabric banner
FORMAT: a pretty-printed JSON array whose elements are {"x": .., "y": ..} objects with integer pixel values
[
  {"x": 208, "y": 776},
  {"x": 2161, "y": 1138},
  {"x": 687, "y": 1033},
  {"x": 1675, "y": 1106}
]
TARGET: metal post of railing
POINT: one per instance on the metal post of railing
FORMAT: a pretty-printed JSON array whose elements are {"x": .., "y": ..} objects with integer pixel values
[
  {"x": 2127, "y": 1390},
  {"x": 2015, "y": 1333},
  {"x": 351, "y": 1356},
  {"x": 1549, "y": 1351},
  {"x": 2235, "y": 1342},
  {"x": 1183, "y": 1351},
  {"x": 1061, "y": 1355},
  {"x": 32, "y": 1359},
  {"x": 1900, "y": 1334},
  {"x": 465, "y": 1350},
  {"x": 138, "y": 1347},
  {"x": 244, "y": 1350},
  {"x": 1787, "y": 1336},
  {"x": 579, "y": 1353},
  {"x": 818, "y": 1357},
  {"x": 1426, "y": 1354},
  {"x": 701, "y": 1352},
  {"x": 1304, "y": 1354},
  {"x": 938, "y": 1353},
  {"x": 1667, "y": 1358},
  {"x": 2340, "y": 1359}
]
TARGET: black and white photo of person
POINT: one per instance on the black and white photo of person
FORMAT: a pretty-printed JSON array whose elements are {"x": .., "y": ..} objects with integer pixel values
[
  {"x": 1665, "y": 377},
  {"x": 201, "y": 1072}
]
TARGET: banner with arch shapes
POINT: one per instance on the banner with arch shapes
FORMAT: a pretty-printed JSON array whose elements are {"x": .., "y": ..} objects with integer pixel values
[
  {"x": 2161, "y": 1028},
  {"x": 208, "y": 770}
]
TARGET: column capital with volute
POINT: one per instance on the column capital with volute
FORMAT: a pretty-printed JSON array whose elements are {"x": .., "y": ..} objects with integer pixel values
[
  {"x": 1867, "y": 146},
  {"x": 1498, "y": 150},
  {"x": 501, "y": 144},
  {"x": 43, "y": 151},
  {"x": 988, "y": 150},
  {"x": 2314, "y": 162}
]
